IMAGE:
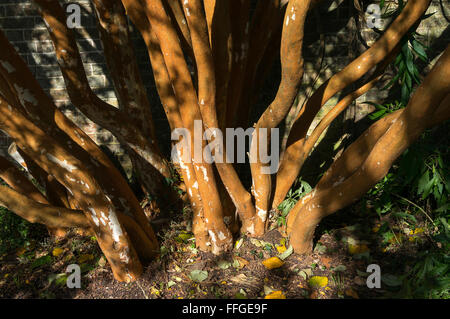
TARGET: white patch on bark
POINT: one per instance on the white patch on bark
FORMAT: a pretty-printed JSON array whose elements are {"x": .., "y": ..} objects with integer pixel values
[
  {"x": 114, "y": 225},
  {"x": 205, "y": 174},
  {"x": 195, "y": 185},
  {"x": 124, "y": 257},
  {"x": 262, "y": 214},
  {"x": 221, "y": 236},
  {"x": 341, "y": 179},
  {"x": 62, "y": 164},
  {"x": 94, "y": 216}
]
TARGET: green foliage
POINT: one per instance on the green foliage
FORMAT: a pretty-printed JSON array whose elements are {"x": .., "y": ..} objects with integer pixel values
[
  {"x": 405, "y": 64},
  {"x": 298, "y": 190},
  {"x": 15, "y": 231},
  {"x": 383, "y": 110},
  {"x": 417, "y": 189}
]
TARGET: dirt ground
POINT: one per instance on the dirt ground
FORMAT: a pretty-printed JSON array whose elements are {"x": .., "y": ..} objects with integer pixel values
[{"x": 336, "y": 268}]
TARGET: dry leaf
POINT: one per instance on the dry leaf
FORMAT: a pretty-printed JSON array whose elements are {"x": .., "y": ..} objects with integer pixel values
[
  {"x": 85, "y": 257},
  {"x": 354, "y": 249},
  {"x": 242, "y": 262},
  {"x": 318, "y": 281},
  {"x": 326, "y": 261},
  {"x": 273, "y": 262},
  {"x": 351, "y": 293},
  {"x": 275, "y": 295},
  {"x": 57, "y": 251}
]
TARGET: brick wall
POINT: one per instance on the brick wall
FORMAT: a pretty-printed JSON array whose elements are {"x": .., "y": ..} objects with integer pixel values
[{"x": 23, "y": 26}]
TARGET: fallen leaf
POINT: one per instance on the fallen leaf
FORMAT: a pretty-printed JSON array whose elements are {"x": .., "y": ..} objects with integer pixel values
[
  {"x": 256, "y": 242},
  {"x": 339, "y": 268},
  {"x": 273, "y": 262},
  {"x": 308, "y": 272},
  {"x": 198, "y": 275},
  {"x": 85, "y": 257},
  {"x": 314, "y": 295},
  {"x": 275, "y": 295},
  {"x": 326, "y": 261},
  {"x": 280, "y": 248},
  {"x": 154, "y": 291},
  {"x": 241, "y": 262},
  {"x": 318, "y": 281},
  {"x": 223, "y": 264},
  {"x": 57, "y": 251},
  {"x": 184, "y": 237},
  {"x": 286, "y": 253},
  {"x": 416, "y": 231},
  {"x": 320, "y": 248},
  {"x": 267, "y": 290},
  {"x": 102, "y": 261},
  {"x": 351, "y": 293},
  {"x": 354, "y": 249},
  {"x": 239, "y": 243}
]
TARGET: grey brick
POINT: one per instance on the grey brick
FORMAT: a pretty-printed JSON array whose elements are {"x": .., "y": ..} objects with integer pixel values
[{"x": 17, "y": 22}]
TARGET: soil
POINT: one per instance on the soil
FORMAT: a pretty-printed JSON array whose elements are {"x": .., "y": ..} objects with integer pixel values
[{"x": 28, "y": 273}]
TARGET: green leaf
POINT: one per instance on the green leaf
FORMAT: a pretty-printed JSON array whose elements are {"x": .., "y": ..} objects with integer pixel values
[
  {"x": 408, "y": 81},
  {"x": 223, "y": 264},
  {"x": 41, "y": 261},
  {"x": 409, "y": 60},
  {"x": 198, "y": 275},
  {"x": 339, "y": 268},
  {"x": 420, "y": 50},
  {"x": 405, "y": 94},
  {"x": 377, "y": 115}
]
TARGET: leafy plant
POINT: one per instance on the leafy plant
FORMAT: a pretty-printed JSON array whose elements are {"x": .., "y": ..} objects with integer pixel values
[
  {"x": 406, "y": 69},
  {"x": 299, "y": 190},
  {"x": 16, "y": 232}
]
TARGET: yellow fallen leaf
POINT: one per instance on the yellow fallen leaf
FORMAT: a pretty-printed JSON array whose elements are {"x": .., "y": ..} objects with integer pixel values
[
  {"x": 280, "y": 248},
  {"x": 273, "y": 262},
  {"x": 351, "y": 293},
  {"x": 57, "y": 251},
  {"x": 275, "y": 295},
  {"x": 416, "y": 231},
  {"x": 354, "y": 249},
  {"x": 318, "y": 281},
  {"x": 85, "y": 257},
  {"x": 154, "y": 291}
]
